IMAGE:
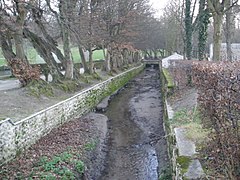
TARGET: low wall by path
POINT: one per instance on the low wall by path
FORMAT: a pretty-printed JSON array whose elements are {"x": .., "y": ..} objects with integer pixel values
[
  {"x": 167, "y": 115},
  {"x": 16, "y": 137}
]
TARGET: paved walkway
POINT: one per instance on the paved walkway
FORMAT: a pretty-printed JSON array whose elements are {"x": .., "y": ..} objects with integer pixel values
[
  {"x": 187, "y": 148},
  {"x": 8, "y": 84}
]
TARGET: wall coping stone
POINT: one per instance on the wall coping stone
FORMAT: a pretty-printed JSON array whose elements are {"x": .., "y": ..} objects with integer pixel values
[
  {"x": 16, "y": 137},
  {"x": 66, "y": 100}
]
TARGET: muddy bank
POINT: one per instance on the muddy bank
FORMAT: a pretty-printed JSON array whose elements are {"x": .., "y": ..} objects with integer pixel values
[
  {"x": 73, "y": 151},
  {"x": 137, "y": 148}
]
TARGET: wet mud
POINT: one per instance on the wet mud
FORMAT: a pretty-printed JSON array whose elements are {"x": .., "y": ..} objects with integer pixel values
[{"x": 137, "y": 147}]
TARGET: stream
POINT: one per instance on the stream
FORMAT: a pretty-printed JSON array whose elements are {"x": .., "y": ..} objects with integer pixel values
[{"x": 137, "y": 148}]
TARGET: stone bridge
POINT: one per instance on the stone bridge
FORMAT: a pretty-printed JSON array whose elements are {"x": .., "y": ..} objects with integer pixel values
[{"x": 152, "y": 62}]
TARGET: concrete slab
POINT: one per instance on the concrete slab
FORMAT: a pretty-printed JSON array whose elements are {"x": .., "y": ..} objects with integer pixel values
[
  {"x": 195, "y": 170},
  {"x": 169, "y": 111},
  {"x": 185, "y": 146}
]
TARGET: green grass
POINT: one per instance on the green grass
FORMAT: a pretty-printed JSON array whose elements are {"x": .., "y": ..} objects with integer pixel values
[
  {"x": 191, "y": 121},
  {"x": 98, "y": 54},
  {"x": 2, "y": 59},
  {"x": 34, "y": 59},
  {"x": 184, "y": 162},
  {"x": 169, "y": 78}
]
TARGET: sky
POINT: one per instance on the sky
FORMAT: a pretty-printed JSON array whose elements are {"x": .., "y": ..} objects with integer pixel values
[{"x": 159, "y": 5}]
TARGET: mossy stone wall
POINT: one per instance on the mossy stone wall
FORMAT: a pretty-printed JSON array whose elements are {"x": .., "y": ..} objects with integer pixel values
[{"x": 16, "y": 137}]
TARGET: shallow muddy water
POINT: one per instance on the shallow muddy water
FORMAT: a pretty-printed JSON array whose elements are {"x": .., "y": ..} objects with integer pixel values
[{"x": 136, "y": 148}]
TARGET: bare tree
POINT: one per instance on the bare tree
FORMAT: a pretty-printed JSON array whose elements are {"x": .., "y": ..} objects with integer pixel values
[
  {"x": 218, "y": 9},
  {"x": 229, "y": 29},
  {"x": 173, "y": 19}
]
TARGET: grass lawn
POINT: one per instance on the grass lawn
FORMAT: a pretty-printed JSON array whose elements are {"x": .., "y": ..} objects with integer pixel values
[
  {"x": 2, "y": 59},
  {"x": 98, "y": 54},
  {"x": 34, "y": 59}
]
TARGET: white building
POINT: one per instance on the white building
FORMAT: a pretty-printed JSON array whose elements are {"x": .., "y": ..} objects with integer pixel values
[{"x": 166, "y": 61}]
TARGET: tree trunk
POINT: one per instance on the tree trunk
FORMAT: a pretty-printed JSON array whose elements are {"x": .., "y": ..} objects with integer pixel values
[
  {"x": 18, "y": 35},
  {"x": 125, "y": 56},
  {"x": 229, "y": 31},
  {"x": 20, "y": 69},
  {"x": 52, "y": 44},
  {"x": 6, "y": 49},
  {"x": 107, "y": 65},
  {"x": 20, "y": 54},
  {"x": 113, "y": 60},
  {"x": 161, "y": 53},
  {"x": 217, "y": 37},
  {"x": 188, "y": 30},
  {"x": 63, "y": 9},
  {"x": 155, "y": 54},
  {"x": 44, "y": 50},
  {"x": 104, "y": 52},
  {"x": 136, "y": 56},
  {"x": 90, "y": 60},
  {"x": 67, "y": 53},
  {"x": 119, "y": 59},
  {"x": 202, "y": 29},
  {"x": 130, "y": 57},
  {"x": 83, "y": 58}
]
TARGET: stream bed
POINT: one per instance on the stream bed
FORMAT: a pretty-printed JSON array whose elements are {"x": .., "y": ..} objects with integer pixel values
[{"x": 137, "y": 148}]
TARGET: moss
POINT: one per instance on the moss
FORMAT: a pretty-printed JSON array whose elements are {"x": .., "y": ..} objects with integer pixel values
[
  {"x": 62, "y": 118},
  {"x": 88, "y": 78},
  {"x": 167, "y": 126},
  {"x": 67, "y": 85},
  {"x": 96, "y": 76},
  {"x": 184, "y": 163},
  {"x": 166, "y": 173},
  {"x": 84, "y": 79},
  {"x": 39, "y": 87},
  {"x": 169, "y": 78}
]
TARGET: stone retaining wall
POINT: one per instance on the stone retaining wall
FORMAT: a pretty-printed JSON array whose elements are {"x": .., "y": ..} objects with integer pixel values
[
  {"x": 16, "y": 137},
  {"x": 171, "y": 140}
]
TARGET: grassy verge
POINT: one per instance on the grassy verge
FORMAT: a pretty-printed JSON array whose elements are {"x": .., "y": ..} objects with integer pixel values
[{"x": 191, "y": 121}]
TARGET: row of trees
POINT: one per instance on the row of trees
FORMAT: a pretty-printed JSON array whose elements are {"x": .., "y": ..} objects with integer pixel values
[
  {"x": 194, "y": 24},
  {"x": 119, "y": 28}
]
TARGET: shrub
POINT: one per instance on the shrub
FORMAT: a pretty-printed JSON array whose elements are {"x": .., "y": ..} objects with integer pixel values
[
  {"x": 24, "y": 72},
  {"x": 218, "y": 86},
  {"x": 181, "y": 72}
]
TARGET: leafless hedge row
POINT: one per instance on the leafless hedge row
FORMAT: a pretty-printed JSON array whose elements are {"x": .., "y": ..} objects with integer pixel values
[
  {"x": 218, "y": 86},
  {"x": 181, "y": 72}
]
